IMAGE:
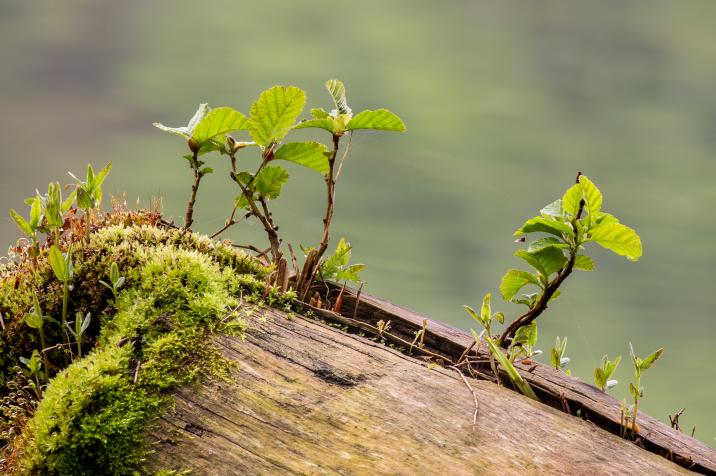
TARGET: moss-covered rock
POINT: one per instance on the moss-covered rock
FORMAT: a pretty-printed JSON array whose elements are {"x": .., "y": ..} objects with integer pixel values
[{"x": 180, "y": 289}]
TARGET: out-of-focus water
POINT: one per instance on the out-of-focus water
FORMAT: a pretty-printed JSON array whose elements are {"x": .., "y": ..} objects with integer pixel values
[{"x": 504, "y": 103}]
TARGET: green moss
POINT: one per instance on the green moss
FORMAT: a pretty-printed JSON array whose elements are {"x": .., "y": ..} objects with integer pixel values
[{"x": 181, "y": 289}]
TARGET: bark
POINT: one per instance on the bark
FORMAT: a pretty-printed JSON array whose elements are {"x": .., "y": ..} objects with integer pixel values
[{"x": 306, "y": 398}]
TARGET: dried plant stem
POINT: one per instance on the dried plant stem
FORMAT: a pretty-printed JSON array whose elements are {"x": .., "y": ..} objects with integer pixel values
[{"x": 189, "y": 216}]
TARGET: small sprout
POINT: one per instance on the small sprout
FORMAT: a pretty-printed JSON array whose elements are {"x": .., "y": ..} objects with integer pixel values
[
  {"x": 115, "y": 280},
  {"x": 602, "y": 375},
  {"x": 336, "y": 266},
  {"x": 36, "y": 320},
  {"x": 64, "y": 270},
  {"x": 383, "y": 327},
  {"x": 420, "y": 336},
  {"x": 635, "y": 389},
  {"x": 89, "y": 193},
  {"x": 557, "y": 358},
  {"x": 34, "y": 364},
  {"x": 81, "y": 326}
]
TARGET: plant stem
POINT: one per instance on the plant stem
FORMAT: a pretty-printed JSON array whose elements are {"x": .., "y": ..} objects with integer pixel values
[
  {"x": 44, "y": 357},
  {"x": 87, "y": 225},
  {"x": 189, "y": 216},
  {"x": 636, "y": 404},
  {"x": 313, "y": 260}
]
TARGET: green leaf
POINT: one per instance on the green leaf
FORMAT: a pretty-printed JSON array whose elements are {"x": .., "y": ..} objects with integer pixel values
[
  {"x": 512, "y": 373},
  {"x": 219, "y": 121},
  {"x": 649, "y": 361},
  {"x": 545, "y": 225},
  {"x": 22, "y": 224},
  {"x": 546, "y": 242},
  {"x": 351, "y": 273},
  {"x": 269, "y": 181},
  {"x": 274, "y": 113},
  {"x": 308, "y": 154},
  {"x": 326, "y": 123},
  {"x": 84, "y": 198},
  {"x": 58, "y": 264},
  {"x": 33, "y": 320},
  {"x": 35, "y": 212},
  {"x": 571, "y": 199},
  {"x": 186, "y": 131},
  {"x": 380, "y": 119},
  {"x": 583, "y": 262},
  {"x": 486, "y": 311},
  {"x": 473, "y": 314},
  {"x": 633, "y": 390},
  {"x": 113, "y": 272},
  {"x": 554, "y": 209},
  {"x": 592, "y": 195},
  {"x": 319, "y": 113},
  {"x": 338, "y": 92},
  {"x": 67, "y": 204},
  {"x": 526, "y": 335},
  {"x": 603, "y": 218},
  {"x": 618, "y": 238},
  {"x": 546, "y": 261},
  {"x": 513, "y": 281},
  {"x": 599, "y": 378}
]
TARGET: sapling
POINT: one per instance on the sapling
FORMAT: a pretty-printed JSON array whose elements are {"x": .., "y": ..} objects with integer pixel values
[
  {"x": 570, "y": 222},
  {"x": 115, "y": 280},
  {"x": 635, "y": 389},
  {"x": 603, "y": 374}
]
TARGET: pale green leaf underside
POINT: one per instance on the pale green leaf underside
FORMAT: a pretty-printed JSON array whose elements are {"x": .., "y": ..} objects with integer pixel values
[
  {"x": 219, "y": 121},
  {"x": 274, "y": 113},
  {"x": 308, "y": 154},
  {"x": 338, "y": 92},
  {"x": 380, "y": 119},
  {"x": 177, "y": 131},
  {"x": 619, "y": 238}
]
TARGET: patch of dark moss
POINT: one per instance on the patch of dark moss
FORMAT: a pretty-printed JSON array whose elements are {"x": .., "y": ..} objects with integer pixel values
[{"x": 180, "y": 290}]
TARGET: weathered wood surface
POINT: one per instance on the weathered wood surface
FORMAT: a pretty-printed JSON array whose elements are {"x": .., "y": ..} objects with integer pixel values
[
  {"x": 309, "y": 399},
  {"x": 597, "y": 406}
]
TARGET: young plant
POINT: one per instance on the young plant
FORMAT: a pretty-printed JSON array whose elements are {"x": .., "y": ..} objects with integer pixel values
[
  {"x": 81, "y": 325},
  {"x": 36, "y": 320},
  {"x": 206, "y": 132},
  {"x": 336, "y": 266},
  {"x": 115, "y": 280},
  {"x": 30, "y": 227},
  {"x": 63, "y": 268},
  {"x": 522, "y": 346},
  {"x": 635, "y": 389},
  {"x": 557, "y": 357},
  {"x": 54, "y": 209},
  {"x": 569, "y": 223},
  {"x": 485, "y": 318},
  {"x": 34, "y": 365},
  {"x": 89, "y": 193},
  {"x": 603, "y": 374}
]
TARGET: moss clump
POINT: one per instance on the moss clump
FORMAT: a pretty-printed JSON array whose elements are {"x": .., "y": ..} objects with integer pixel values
[{"x": 95, "y": 413}]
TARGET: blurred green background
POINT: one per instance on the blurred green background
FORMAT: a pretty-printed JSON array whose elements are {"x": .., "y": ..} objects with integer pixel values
[{"x": 504, "y": 103}]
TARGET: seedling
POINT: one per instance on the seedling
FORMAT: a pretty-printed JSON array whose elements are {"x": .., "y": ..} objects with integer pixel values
[
  {"x": 555, "y": 256},
  {"x": 36, "y": 320},
  {"x": 420, "y": 336},
  {"x": 54, "y": 209},
  {"x": 115, "y": 280},
  {"x": 522, "y": 346},
  {"x": 603, "y": 374},
  {"x": 80, "y": 327},
  {"x": 34, "y": 364},
  {"x": 89, "y": 193},
  {"x": 336, "y": 266},
  {"x": 64, "y": 271},
  {"x": 635, "y": 389},
  {"x": 30, "y": 227},
  {"x": 557, "y": 357}
]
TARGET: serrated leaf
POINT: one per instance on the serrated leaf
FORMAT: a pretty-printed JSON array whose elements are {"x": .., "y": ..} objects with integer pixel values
[
  {"x": 546, "y": 261},
  {"x": 269, "y": 181},
  {"x": 546, "y": 242},
  {"x": 618, "y": 238},
  {"x": 308, "y": 154},
  {"x": 219, "y": 121},
  {"x": 338, "y": 92},
  {"x": 380, "y": 119},
  {"x": 592, "y": 195},
  {"x": 326, "y": 123},
  {"x": 545, "y": 225},
  {"x": 274, "y": 113},
  {"x": 22, "y": 224},
  {"x": 571, "y": 199},
  {"x": 649, "y": 361},
  {"x": 319, "y": 113},
  {"x": 583, "y": 262},
  {"x": 513, "y": 281}
]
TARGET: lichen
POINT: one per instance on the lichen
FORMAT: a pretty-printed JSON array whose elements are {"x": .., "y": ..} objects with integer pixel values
[{"x": 180, "y": 290}]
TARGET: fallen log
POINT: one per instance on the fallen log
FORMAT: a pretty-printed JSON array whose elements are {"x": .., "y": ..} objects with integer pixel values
[{"x": 307, "y": 398}]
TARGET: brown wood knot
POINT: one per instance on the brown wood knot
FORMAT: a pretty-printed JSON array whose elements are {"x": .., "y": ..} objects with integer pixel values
[
  {"x": 334, "y": 376},
  {"x": 194, "y": 429}
]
